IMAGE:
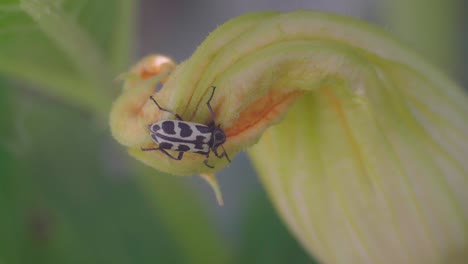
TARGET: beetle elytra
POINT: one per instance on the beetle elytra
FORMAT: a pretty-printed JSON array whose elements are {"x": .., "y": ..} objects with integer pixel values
[{"x": 182, "y": 136}]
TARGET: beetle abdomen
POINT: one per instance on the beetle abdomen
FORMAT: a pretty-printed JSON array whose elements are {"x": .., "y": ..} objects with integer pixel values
[
  {"x": 181, "y": 136},
  {"x": 181, "y": 129},
  {"x": 177, "y": 144}
]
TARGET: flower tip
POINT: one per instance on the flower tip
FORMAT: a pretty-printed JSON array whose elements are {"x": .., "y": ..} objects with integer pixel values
[
  {"x": 211, "y": 180},
  {"x": 153, "y": 65}
]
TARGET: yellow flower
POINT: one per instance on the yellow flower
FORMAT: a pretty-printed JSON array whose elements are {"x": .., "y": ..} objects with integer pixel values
[{"x": 368, "y": 164}]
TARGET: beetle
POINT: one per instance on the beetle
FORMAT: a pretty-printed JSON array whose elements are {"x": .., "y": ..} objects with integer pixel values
[{"x": 183, "y": 136}]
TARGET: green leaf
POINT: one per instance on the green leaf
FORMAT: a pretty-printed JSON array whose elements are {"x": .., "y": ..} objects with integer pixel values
[
  {"x": 59, "y": 204},
  {"x": 8, "y": 209},
  {"x": 72, "y": 50}
]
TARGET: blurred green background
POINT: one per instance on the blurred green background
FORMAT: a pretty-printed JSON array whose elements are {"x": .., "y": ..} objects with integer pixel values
[{"x": 70, "y": 194}]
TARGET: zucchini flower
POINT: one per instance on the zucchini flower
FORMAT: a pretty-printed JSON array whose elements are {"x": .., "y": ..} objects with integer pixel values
[{"x": 360, "y": 143}]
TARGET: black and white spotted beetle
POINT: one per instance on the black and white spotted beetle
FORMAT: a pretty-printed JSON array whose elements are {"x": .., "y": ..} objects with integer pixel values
[{"x": 182, "y": 136}]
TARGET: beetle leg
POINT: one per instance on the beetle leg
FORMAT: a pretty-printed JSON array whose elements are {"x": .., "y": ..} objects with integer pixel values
[
  {"x": 179, "y": 157},
  {"x": 206, "y": 161},
  {"x": 165, "y": 110},
  {"x": 148, "y": 149},
  {"x": 208, "y": 165},
  {"x": 209, "y": 106},
  {"x": 224, "y": 154}
]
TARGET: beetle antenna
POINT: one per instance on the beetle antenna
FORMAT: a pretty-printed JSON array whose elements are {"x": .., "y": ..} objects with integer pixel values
[
  {"x": 164, "y": 109},
  {"x": 225, "y": 153},
  {"x": 209, "y": 106}
]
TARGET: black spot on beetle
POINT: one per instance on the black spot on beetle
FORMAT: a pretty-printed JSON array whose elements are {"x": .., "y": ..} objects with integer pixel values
[
  {"x": 183, "y": 148},
  {"x": 185, "y": 130},
  {"x": 166, "y": 145},
  {"x": 199, "y": 142},
  {"x": 203, "y": 129},
  {"x": 168, "y": 127},
  {"x": 155, "y": 127}
]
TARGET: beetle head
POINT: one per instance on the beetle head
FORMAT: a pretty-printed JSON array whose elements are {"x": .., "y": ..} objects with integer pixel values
[{"x": 219, "y": 137}]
